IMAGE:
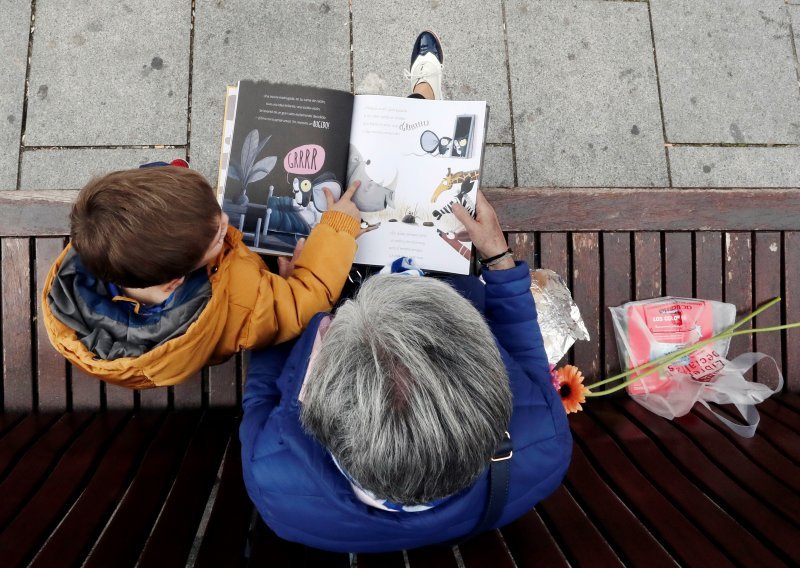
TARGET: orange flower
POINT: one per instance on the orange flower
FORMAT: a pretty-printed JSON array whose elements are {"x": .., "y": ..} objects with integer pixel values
[{"x": 570, "y": 387}]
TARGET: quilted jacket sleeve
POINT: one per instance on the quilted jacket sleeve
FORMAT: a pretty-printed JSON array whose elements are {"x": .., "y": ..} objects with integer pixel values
[
  {"x": 261, "y": 391},
  {"x": 511, "y": 313},
  {"x": 284, "y": 307}
]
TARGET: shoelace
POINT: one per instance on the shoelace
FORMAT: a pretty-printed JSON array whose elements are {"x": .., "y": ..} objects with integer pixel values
[{"x": 420, "y": 74}]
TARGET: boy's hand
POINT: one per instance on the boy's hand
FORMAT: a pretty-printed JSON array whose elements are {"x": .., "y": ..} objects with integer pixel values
[
  {"x": 345, "y": 204},
  {"x": 484, "y": 230},
  {"x": 286, "y": 266}
]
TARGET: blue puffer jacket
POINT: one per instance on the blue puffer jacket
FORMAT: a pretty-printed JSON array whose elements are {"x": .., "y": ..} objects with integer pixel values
[{"x": 303, "y": 497}]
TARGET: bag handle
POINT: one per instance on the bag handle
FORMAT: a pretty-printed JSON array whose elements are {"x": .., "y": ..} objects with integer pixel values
[{"x": 742, "y": 364}]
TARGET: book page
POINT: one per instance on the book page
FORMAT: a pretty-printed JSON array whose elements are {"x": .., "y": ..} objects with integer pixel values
[
  {"x": 415, "y": 158},
  {"x": 231, "y": 92},
  {"x": 288, "y": 143}
]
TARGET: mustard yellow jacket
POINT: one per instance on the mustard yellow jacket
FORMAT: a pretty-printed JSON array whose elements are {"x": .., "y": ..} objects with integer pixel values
[{"x": 250, "y": 307}]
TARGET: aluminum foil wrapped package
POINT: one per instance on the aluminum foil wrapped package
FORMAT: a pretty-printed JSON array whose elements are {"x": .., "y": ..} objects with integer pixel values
[{"x": 559, "y": 317}]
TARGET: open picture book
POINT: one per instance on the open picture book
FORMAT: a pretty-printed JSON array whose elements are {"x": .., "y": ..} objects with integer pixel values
[{"x": 282, "y": 144}]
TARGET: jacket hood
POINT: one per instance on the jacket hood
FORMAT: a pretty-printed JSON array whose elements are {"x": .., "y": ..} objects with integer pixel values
[{"x": 112, "y": 326}]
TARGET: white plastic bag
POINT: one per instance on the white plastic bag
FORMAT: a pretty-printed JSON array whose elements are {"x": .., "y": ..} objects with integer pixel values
[{"x": 649, "y": 329}]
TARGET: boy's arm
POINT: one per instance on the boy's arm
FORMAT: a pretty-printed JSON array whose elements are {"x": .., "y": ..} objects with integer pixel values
[{"x": 283, "y": 307}]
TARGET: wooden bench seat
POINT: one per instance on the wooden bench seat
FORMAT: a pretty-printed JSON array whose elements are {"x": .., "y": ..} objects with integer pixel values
[
  {"x": 120, "y": 488},
  {"x": 96, "y": 475}
]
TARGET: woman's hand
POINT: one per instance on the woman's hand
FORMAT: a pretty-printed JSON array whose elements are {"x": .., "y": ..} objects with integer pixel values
[{"x": 484, "y": 231}]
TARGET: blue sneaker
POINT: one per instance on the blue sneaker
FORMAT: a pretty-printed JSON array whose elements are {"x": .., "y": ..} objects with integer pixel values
[{"x": 426, "y": 63}]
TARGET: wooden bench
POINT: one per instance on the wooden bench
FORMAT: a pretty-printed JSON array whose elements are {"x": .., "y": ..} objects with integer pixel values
[{"x": 95, "y": 475}]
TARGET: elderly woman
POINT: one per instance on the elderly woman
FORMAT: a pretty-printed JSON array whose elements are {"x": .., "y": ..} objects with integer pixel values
[{"x": 387, "y": 425}]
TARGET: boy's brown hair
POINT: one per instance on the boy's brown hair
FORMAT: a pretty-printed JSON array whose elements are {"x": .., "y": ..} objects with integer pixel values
[{"x": 144, "y": 227}]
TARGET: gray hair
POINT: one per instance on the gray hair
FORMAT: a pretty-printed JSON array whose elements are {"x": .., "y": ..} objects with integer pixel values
[{"x": 408, "y": 391}]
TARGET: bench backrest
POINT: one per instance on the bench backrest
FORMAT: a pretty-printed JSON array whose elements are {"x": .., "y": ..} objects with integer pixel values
[{"x": 611, "y": 245}]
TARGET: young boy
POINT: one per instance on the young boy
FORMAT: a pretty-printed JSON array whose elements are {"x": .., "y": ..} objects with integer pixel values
[{"x": 155, "y": 284}]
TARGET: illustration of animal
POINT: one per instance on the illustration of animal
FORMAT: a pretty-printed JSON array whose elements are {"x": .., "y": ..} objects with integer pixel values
[
  {"x": 410, "y": 217},
  {"x": 371, "y": 196},
  {"x": 467, "y": 179},
  {"x": 310, "y": 198}
]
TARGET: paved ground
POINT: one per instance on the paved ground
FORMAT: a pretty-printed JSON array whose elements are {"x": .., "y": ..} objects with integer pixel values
[{"x": 582, "y": 92}]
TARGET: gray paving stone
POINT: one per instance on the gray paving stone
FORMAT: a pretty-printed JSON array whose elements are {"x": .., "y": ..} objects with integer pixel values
[
  {"x": 472, "y": 41},
  {"x": 727, "y": 71},
  {"x": 71, "y": 168},
  {"x": 735, "y": 167},
  {"x": 584, "y": 94},
  {"x": 15, "y": 21},
  {"x": 498, "y": 167},
  {"x": 109, "y": 73},
  {"x": 306, "y": 43}
]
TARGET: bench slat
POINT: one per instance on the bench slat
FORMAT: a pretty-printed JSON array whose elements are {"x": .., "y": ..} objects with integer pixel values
[
  {"x": 36, "y": 463},
  {"x": 266, "y": 549},
  {"x": 154, "y": 399},
  {"x": 29, "y": 529},
  {"x": 636, "y": 545},
  {"x": 739, "y": 502},
  {"x": 675, "y": 481},
  {"x": 768, "y": 276},
  {"x": 531, "y": 544},
  {"x": 51, "y": 368},
  {"x": 86, "y": 390},
  {"x": 681, "y": 538},
  {"x": 223, "y": 384},
  {"x": 617, "y": 290},
  {"x": 46, "y": 213},
  {"x": 783, "y": 414},
  {"x": 432, "y": 557},
  {"x": 16, "y": 441},
  {"x": 381, "y": 560},
  {"x": 486, "y": 549},
  {"x": 780, "y": 436},
  {"x": 524, "y": 246},
  {"x": 583, "y": 544},
  {"x": 189, "y": 394},
  {"x": 173, "y": 534},
  {"x": 642, "y": 209},
  {"x": 586, "y": 293},
  {"x": 228, "y": 523},
  {"x": 554, "y": 254},
  {"x": 18, "y": 376},
  {"x": 678, "y": 265},
  {"x": 739, "y": 284},
  {"x": 708, "y": 265},
  {"x": 127, "y": 530},
  {"x": 118, "y": 398},
  {"x": 647, "y": 263},
  {"x": 791, "y": 306},
  {"x": 758, "y": 450},
  {"x": 8, "y": 420},
  {"x": 737, "y": 465},
  {"x": 76, "y": 533}
]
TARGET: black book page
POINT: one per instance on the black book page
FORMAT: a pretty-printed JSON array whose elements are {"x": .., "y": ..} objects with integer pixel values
[{"x": 288, "y": 143}]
